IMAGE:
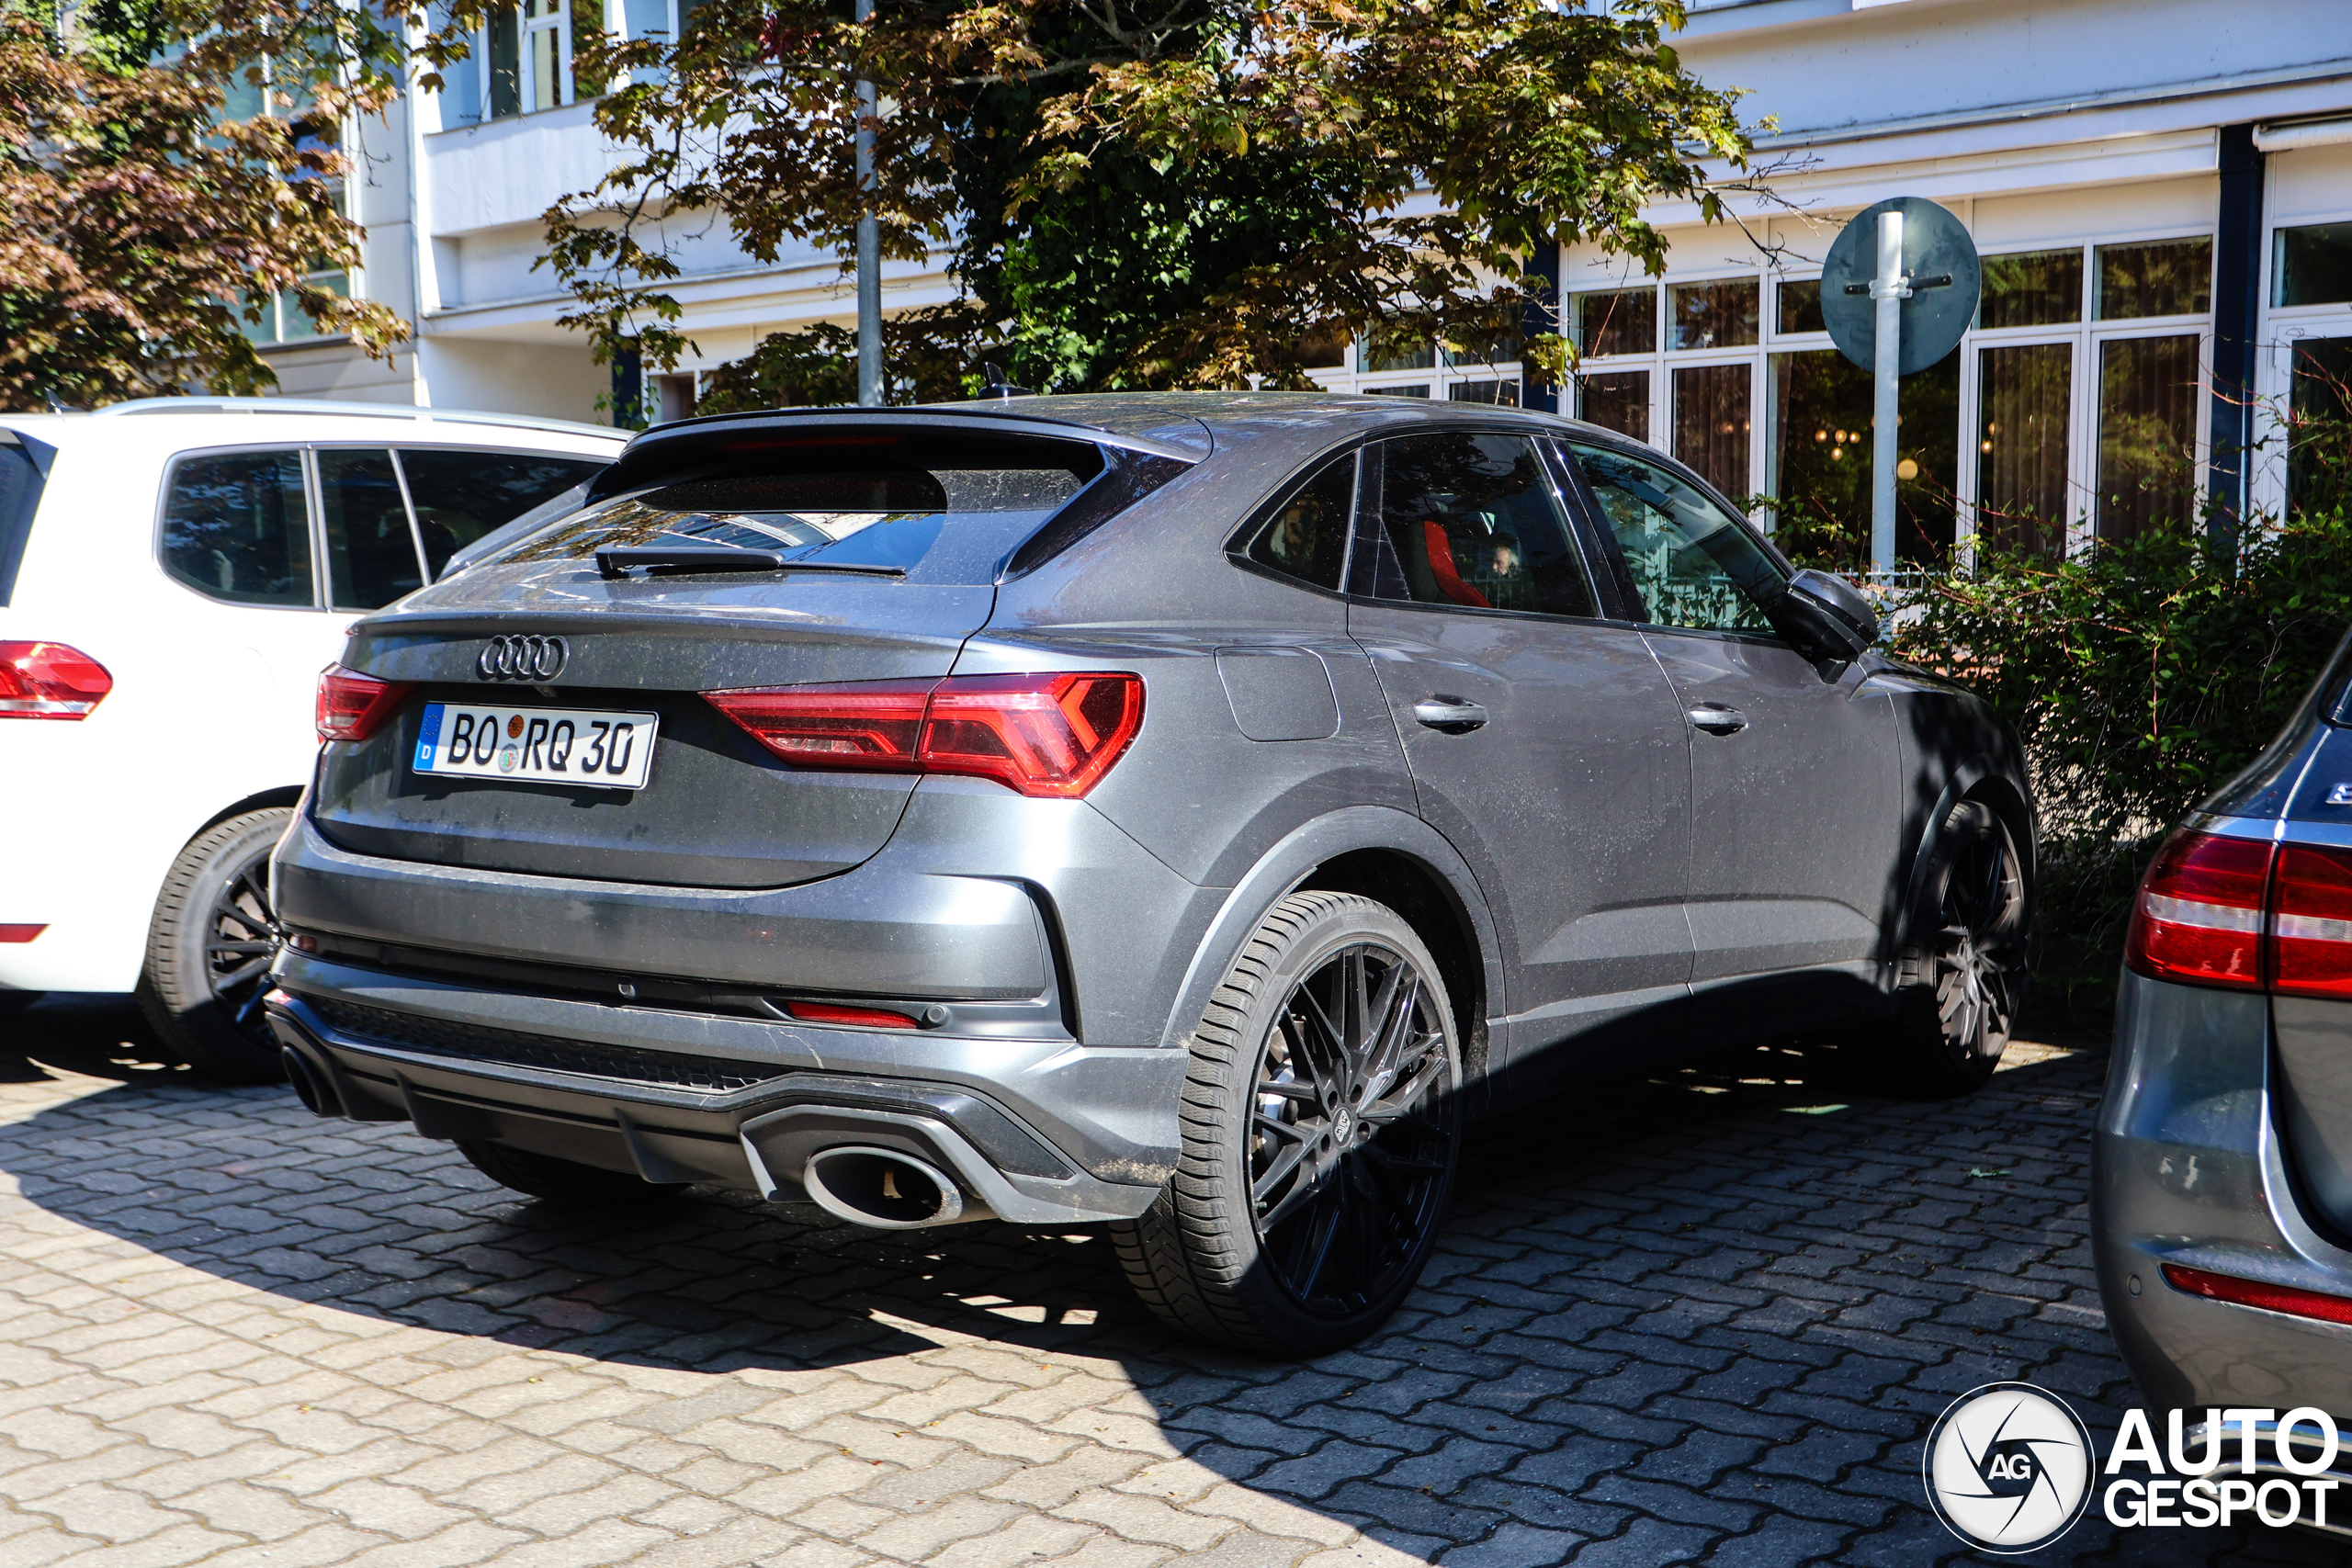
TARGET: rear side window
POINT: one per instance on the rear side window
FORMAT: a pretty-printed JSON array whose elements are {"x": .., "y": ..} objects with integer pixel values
[
  {"x": 1473, "y": 521},
  {"x": 1306, "y": 537},
  {"x": 876, "y": 514},
  {"x": 371, "y": 555},
  {"x": 460, "y": 495},
  {"x": 235, "y": 528},
  {"x": 20, "y": 480}
]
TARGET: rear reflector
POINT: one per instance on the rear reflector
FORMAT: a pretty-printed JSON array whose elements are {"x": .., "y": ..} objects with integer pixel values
[
  {"x": 855, "y": 1018},
  {"x": 48, "y": 680},
  {"x": 2199, "y": 911},
  {"x": 352, "y": 706},
  {"x": 2254, "y": 1293},
  {"x": 1053, "y": 735},
  {"x": 21, "y": 933}
]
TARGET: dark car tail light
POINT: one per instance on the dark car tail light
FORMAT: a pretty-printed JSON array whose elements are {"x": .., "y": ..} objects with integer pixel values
[
  {"x": 2254, "y": 1293},
  {"x": 2310, "y": 921},
  {"x": 48, "y": 680},
  {"x": 2198, "y": 914},
  {"x": 1053, "y": 735},
  {"x": 352, "y": 706}
]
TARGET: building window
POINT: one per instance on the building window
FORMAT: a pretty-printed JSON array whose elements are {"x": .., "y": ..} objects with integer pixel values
[
  {"x": 2313, "y": 266},
  {"x": 1616, "y": 400},
  {"x": 1823, "y": 451},
  {"x": 522, "y": 61},
  {"x": 1713, "y": 423},
  {"x": 1617, "y": 321},
  {"x": 2321, "y": 389},
  {"x": 2147, "y": 433},
  {"x": 2169, "y": 277},
  {"x": 1800, "y": 306},
  {"x": 2036, "y": 289},
  {"x": 2024, "y": 408},
  {"x": 1714, "y": 315}
]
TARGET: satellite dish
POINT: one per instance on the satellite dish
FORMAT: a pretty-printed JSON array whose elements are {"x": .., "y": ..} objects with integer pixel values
[{"x": 1946, "y": 279}]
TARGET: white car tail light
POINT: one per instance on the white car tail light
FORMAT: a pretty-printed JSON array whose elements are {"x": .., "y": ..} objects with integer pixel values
[{"x": 48, "y": 680}]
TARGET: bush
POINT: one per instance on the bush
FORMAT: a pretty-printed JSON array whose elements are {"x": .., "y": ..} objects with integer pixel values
[{"x": 2142, "y": 675}]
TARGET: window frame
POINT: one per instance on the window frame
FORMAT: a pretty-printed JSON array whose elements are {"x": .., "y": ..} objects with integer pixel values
[{"x": 312, "y": 534}]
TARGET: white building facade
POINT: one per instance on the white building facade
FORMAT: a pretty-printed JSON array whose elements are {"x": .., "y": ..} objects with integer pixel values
[{"x": 2161, "y": 190}]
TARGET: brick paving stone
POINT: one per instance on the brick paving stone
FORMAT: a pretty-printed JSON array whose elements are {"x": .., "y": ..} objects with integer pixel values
[{"x": 1703, "y": 1329}]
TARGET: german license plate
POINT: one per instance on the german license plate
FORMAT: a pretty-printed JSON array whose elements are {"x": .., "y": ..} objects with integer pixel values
[{"x": 611, "y": 751}]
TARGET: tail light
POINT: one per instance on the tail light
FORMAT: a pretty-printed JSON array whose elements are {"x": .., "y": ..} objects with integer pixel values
[
  {"x": 353, "y": 707},
  {"x": 2198, "y": 917},
  {"x": 2311, "y": 922},
  {"x": 2240, "y": 913},
  {"x": 1053, "y": 735},
  {"x": 48, "y": 680}
]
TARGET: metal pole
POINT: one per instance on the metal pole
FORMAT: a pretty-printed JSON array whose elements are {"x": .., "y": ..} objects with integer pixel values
[
  {"x": 1889, "y": 289},
  {"x": 869, "y": 248}
]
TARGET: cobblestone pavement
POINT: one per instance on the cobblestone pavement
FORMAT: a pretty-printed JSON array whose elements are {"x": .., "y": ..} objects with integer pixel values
[{"x": 1705, "y": 1319}]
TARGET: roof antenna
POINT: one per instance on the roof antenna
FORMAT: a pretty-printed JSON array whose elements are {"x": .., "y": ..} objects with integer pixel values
[{"x": 998, "y": 386}]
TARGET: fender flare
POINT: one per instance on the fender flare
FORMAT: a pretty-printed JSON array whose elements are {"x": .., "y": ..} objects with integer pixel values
[
  {"x": 1290, "y": 862},
  {"x": 1959, "y": 783}
]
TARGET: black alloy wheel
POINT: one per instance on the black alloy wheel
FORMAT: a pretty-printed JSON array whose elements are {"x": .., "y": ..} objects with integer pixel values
[
  {"x": 1321, "y": 1123},
  {"x": 210, "y": 947},
  {"x": 1347, "y": 1166},
  {"x": 1965, "y": 978}
]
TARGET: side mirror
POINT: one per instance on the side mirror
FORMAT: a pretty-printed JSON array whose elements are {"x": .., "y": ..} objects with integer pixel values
[{"x": 1825, "y": 617}]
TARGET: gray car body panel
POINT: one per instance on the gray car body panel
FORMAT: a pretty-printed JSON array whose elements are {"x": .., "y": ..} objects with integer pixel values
[{"x": 1269, "y": 749}]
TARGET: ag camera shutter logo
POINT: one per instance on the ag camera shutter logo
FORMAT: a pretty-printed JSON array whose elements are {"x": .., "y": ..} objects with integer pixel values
[{"x": 2008, "y": 1468}]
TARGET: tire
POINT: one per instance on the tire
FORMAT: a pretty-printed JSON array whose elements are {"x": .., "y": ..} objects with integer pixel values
[
  {"x": 565, "y": 1181},
  {"x": 209, "y": 948},
  {"x": 1294, "y": 1225},
  {"x": 1961, "y": 974}
]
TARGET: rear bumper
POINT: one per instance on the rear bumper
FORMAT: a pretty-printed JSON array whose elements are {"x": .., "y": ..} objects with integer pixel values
[
  {"x": 1037, "y": 1133},
  {"x": 2188, "y": 1169}
]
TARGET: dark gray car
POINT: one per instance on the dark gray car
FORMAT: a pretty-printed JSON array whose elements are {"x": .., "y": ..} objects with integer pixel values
[
  {"x": 2222, "y": 1206},
  {"x": 1174, "y": 811}
]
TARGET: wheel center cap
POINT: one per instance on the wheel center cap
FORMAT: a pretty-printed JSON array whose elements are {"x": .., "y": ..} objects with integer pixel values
[{"x": 1343, "y": 1127}]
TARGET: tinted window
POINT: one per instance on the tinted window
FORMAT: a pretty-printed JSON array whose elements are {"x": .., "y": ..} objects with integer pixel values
[
  {"x": 371, "y": 557},
  {"x": 1474, "y": 521},
  {"x": 885, "y": 515},
  {"x": 19, "y": 497},
  {"x": 1693, "y": 563},
  {"x": 461, "y": 495},
  {"x": 1308, "y": 536},
  {"x": 234, "y": 528}
]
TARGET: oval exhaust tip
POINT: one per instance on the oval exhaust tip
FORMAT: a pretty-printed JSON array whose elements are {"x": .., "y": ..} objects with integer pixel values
[
  {"x": 881, "y": 1188},
  {"x": 316, "y": 1097}
]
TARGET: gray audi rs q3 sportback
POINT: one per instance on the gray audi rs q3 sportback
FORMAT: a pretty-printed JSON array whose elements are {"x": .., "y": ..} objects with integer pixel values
[
  {"x": 1173, "y": 812},
  {"x": 2221, "y": 1207}
]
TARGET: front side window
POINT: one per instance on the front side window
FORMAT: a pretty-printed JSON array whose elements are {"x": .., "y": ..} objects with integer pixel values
[
  {"x": 371, "y": 556},
  {"x": 1693, "y": 564},
  {"x": 235, "y": 528},
  {"x": 1473, "y": 521},
  {"x": 460, "y": 495},
  {"x": 1306, "y": 537}
]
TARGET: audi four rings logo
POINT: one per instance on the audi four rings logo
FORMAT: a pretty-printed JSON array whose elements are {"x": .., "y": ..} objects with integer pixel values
[{"x": 522, "y": 658}]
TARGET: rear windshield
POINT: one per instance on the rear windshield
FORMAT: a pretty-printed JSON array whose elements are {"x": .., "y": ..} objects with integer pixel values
[
  {"x": 19, "y": 497},
  {"x": 903, "y": 516}
]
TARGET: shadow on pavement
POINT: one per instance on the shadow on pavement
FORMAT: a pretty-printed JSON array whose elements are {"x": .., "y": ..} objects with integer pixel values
[{"x": 1706, "y": 1315}]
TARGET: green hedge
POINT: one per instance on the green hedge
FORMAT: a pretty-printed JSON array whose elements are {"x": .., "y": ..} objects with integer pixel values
[{"x": 2141, "y": 676}]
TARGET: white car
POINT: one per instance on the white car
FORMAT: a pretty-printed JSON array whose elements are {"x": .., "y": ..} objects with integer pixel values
[{"x": 173, "y": 574}]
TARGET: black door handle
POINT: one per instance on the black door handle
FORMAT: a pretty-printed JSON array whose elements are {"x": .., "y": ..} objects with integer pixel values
[
  {"x": 1717, "y": 719},
  {"x": 1450, "y": 716}
]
